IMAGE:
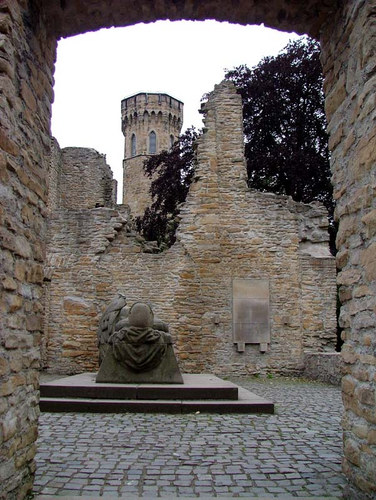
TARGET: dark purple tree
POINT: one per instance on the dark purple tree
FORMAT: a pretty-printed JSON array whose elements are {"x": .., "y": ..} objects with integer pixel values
[
  {"x": 173, "y": 173},
  {"x": 286, "y": 143}
]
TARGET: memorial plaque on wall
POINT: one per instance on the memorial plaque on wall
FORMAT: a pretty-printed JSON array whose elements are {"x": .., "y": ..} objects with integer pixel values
[{"x": 250, "y": 313}]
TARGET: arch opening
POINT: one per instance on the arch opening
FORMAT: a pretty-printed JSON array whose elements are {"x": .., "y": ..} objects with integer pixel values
[{"x": 68, "y": 18}]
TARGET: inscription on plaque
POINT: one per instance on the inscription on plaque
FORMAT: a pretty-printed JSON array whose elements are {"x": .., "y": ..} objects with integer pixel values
[{"x": 250, "y": 313}]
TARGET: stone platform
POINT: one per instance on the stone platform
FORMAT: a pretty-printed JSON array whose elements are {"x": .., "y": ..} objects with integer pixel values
[{"x": 207, "y": 393}]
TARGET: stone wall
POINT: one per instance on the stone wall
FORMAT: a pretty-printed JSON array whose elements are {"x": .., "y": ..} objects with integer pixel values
[
  {"x": 325, "y": 367},
  {"x": 78, "y": 16},
  {"x": 80, "y": 178},
  {"x": 54, "y": 175},
  {"x": 26, "y": 67},
  {"x": 77, "y": 240},
  {"x": 232, "y": 232},
  {"x": 349, "y": 64},
  {"x": 226, "y": 231}
]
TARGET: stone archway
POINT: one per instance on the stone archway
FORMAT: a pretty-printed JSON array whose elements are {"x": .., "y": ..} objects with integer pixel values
[{"x": 28, "y": 31}]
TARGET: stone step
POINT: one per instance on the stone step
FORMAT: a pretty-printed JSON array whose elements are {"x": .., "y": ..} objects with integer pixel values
[
  {"x": 203, "y": 393},
  {"x": 248, "y": 402},
  {"x": 196, "y": 386}
]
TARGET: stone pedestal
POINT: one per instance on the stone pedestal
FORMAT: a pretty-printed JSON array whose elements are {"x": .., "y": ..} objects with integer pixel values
[
  {"x": 198, "y": 392},
  {"x": 167, "y": 372}
]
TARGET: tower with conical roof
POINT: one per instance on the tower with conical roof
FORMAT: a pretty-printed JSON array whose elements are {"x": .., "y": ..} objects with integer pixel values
[{"x": 150, "y": 123}]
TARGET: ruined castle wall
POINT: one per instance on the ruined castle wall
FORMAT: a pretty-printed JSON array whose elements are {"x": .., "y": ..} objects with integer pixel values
[
  {"x": 85, "y": 179},
  {"x": 226, "y": 232},
  {"x": 79, "y": 178},
  {"x": 96, "y": 254},
  {"x": 54, "y": 176},
  {"x": 349, "y": 47},
  {"x": 77, "y": 238},
  {"x": 317, "y": 278},
  {"x": 27, "y": 50},
  {"x": 26, "y": 66},
  {"x": 232, "y": 232}
]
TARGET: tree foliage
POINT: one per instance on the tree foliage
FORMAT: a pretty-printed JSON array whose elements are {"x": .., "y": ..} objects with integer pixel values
[
  {"x": 286, "y": 144},
  {"x": 172, "y": 172}
]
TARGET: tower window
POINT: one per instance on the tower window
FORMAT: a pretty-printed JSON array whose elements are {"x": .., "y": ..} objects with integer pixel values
[
  {"x": 152, "y": 142},
  {"x": 133, "y": 145},
  {"x": 172, "y": 140}
]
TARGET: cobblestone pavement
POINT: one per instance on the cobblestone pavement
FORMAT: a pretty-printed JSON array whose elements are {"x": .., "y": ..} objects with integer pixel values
[{"x": 296, "y": 452}]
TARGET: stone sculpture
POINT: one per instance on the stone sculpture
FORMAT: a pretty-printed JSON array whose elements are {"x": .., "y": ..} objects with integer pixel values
[
  {"x": 139, "y": 348},
  {"x": 108, "y": 321}
]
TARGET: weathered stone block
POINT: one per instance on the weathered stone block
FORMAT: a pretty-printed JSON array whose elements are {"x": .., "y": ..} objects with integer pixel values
[
  {"x": 371, "y": 437},
  {"x": 349, "y": 277},
  {"x": 360, "y": 430},
  {"x": 15, "y": 302},
  {"x": 34, "y": 323},
  {"x": 348, "y": 385},
  {"x": 366, "y": 395},
  {"x": 370, "y": 221},
  {"x": 369, "y": 262},
  {"x": 348, "y": 354},
  {"x": 76, "y": 306},
  {"x": 9, "y": 283},
  {"x": 352, "y": 452},
  {"x": 9, "y": 427}
]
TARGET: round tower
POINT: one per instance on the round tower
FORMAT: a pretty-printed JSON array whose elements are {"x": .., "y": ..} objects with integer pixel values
[{"x": 150, "y": 124}]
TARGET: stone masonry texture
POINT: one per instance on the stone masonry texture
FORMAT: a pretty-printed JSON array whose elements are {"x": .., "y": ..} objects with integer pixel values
[
  {"x": 226, "y": 232},
  {"x": 27, "y": 54},
  {"x": 323, "y": 366},
  {"x": 29, "y": 30},
  {"x": 348, "y": 60}
]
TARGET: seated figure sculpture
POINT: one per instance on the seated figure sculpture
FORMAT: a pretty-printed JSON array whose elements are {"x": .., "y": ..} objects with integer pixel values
[
  {"x": 139, "y": 350},
  {"x": 115, "y": 317}
]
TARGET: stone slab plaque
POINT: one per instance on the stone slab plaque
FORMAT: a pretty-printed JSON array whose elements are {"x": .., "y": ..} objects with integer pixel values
[{"x": 250, "y": 313}]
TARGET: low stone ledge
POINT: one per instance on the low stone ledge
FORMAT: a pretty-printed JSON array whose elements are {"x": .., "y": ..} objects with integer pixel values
[{"x": 323, "y": 366}]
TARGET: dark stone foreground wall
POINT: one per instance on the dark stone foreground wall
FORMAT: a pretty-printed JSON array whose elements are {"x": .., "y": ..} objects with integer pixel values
[
  {"x": 26, "y": 68},
  {"x": 349, "y": 64}
]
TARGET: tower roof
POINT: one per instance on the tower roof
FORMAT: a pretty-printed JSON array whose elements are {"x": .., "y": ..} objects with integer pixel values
[{"x": 132, "y": 96}]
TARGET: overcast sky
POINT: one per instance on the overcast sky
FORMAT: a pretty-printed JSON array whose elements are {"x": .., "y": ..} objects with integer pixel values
[{"x": 185, "y": 59}]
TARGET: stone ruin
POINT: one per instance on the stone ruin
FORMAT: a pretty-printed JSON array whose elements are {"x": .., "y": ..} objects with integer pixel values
[
  {"x": 249, "y": 286},
  {"x": 346, "y": 31}
]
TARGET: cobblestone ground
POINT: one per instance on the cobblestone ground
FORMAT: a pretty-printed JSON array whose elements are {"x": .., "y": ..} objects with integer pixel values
[{"x": 296, "y": 452}]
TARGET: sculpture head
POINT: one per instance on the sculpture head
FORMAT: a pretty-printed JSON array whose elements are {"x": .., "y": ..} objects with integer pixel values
[{"x": 141, "y": 315}]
